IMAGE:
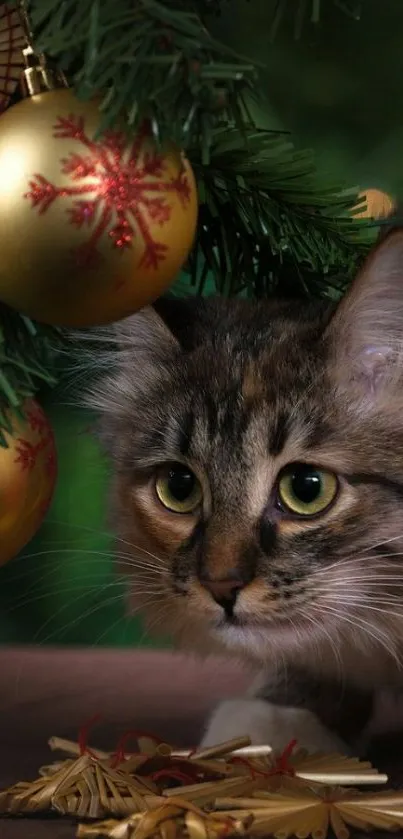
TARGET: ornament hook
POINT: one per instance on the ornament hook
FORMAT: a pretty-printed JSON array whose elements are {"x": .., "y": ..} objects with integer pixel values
[{"x": 38, "y": 76}]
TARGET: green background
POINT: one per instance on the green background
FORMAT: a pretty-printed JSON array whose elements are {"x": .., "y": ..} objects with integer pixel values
[{"x": 339, "y": 90}]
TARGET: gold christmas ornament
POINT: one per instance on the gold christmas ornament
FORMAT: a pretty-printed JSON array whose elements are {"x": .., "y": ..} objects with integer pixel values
[
  {"x": 28, "y": 468},
  {"x": 91, "y": 228},
  {"x": 378, "y": 204}
]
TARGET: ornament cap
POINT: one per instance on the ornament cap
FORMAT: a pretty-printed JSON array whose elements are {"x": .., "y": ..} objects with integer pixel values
[{"x": 38, "y": 76}]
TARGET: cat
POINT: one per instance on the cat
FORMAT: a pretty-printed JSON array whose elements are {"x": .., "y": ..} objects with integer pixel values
[{"x": 256, "y": 453}]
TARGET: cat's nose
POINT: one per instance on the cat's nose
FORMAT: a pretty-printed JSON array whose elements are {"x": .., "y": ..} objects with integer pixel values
[{"x": 224, "y": 592}]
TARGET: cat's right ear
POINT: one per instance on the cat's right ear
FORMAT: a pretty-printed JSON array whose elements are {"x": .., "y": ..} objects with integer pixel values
[
  {"x": 171, "y": 323},
  {"x": 366, "y": 332},
  {"x": 144, "y": 336},
  {"x": 128, "y": 358}
]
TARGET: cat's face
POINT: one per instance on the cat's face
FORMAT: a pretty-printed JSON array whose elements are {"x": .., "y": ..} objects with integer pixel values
[{"x": 257, "y": 454}]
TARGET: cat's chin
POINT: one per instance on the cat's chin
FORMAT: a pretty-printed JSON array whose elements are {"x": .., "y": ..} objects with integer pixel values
[{"x": 260, "y": 639}]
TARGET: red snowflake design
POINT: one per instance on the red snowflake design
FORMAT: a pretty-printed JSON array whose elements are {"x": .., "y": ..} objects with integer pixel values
[
  {"x": 27, "y": 453},
  {"x": 124, "y": 191},
  {"x": 37, "y": 420}
]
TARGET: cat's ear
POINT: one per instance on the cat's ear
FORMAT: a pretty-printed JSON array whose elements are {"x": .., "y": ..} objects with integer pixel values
[
  {"x": 366, "y": 332},
  {"x": 170, "y": 324},
  {"x": 128, "y": 358},
  {"x": 144, "y": 335}
]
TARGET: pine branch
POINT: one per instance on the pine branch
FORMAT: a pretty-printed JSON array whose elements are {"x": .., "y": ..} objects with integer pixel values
[
  {"x": 27, "y": 360},
  {"x": 271, "y": 223},
  {"x": 154, "y": 58},
  {"x": 297, "y": 11}
]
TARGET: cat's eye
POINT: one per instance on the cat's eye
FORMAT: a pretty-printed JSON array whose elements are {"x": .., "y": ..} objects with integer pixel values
[
  {"x": 305, "y": 490},
  {"x": 178, "y": 489}
]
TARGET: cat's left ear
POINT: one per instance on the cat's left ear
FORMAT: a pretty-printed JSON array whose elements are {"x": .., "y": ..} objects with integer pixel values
[{"x": 366, "y": 332}]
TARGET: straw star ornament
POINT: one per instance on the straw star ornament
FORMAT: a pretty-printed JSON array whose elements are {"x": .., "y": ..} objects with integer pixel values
[{"x": 232, "y": 789}]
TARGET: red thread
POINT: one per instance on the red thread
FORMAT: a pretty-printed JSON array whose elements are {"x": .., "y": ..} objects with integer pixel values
[
  {"x": 121, "y": 753},
  {"x": 254, "y": 772},
  {"x": 282, "y": 765},
  {"x": 227, "y": 826},
  {"x": 83, "y": 736},
  {"x": 175, "y": 774}
]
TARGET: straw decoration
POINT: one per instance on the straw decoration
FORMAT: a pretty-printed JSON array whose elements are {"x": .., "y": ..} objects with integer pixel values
[
  {"x": 310, "y": 812},
  {"x": 86, "y": 788},
  {"x": 232, "y": 789},
  {"x": 172, "y": 820}
]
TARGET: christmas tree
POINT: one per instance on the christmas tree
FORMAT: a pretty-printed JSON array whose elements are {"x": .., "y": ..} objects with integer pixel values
[{"x": 270, "y": 220}]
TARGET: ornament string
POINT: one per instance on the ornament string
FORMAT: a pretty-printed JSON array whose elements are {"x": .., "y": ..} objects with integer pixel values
[
  {"x": 282, "y": 765},
  {"x": 83, "y": 736},
  {"x": 172, "y": 774},
  {"x": 121, "y": 753},
  {"x": 25, "y": 22}
]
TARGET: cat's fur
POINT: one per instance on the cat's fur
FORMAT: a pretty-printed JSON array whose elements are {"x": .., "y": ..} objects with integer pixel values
[{"x": 237, "y": 390}]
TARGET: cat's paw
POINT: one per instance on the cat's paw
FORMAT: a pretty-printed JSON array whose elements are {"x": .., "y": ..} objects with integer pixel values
[{"x": 273, "y": 725}]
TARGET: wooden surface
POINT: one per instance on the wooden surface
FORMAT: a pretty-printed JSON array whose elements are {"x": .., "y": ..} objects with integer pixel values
[{"x": 54, "y": 692}]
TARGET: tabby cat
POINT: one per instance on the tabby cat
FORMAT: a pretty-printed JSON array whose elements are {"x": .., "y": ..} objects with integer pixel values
[{"x": 257, "y": 485}]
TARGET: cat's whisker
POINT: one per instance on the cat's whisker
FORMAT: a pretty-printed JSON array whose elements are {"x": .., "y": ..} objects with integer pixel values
[
  {"x": 127, "y": 559},
  {"x": 111, "y": 554},
  {"x": 369, "y": 580},
  {"x": 370, "y": 574},
  {"x": 363, "y": 605},
  {"x": 360, "y": 559},
  {"x": 344, "y": 564},
  {"x": 354, "y": 620},
  {"x": 133, "y": 612},
  {"x": 369, "y": 630},
  {"x": 106, "y": 534},
  {"x": 360, "y": 598},
  {"x": 81, "y": 592},
  {"x": 368, "y": 592},
  {"x": 363, "y": 602},
  {"x": 339, "y": 563},
  {"x": 333, "y": 646},
  {"x": 321, "y": 629},
  {"x": 109, "y": 601},
  {"x": 80, "y": 581},
  {"x": 383, "y": 542},
  {"x": 164, "y": 609},
  {"x": 344, "y": 574},
  {"x": 38, "y": 639},
  {"x": 51, "y": 578}
]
